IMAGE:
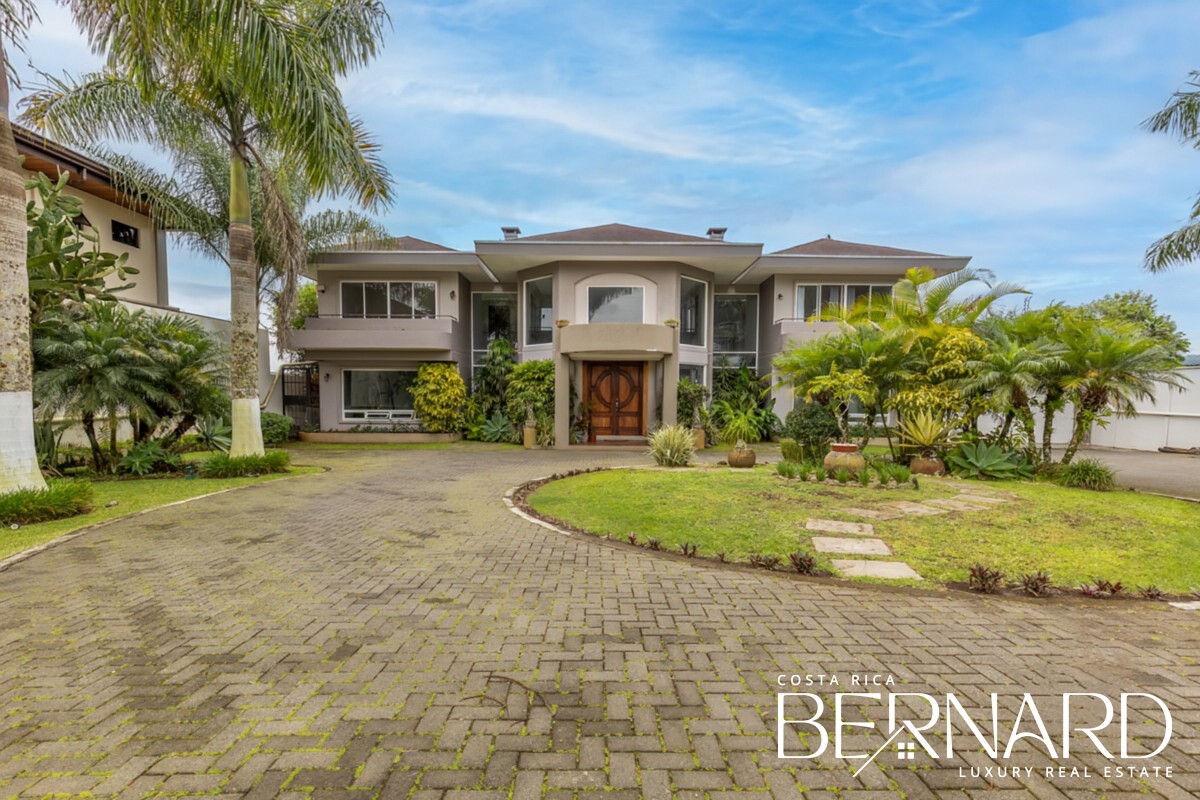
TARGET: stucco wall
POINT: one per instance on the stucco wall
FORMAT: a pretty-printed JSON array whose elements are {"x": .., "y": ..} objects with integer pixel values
[{"x": 143, "y": 258}]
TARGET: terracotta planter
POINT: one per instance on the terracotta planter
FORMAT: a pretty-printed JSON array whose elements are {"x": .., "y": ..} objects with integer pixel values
[
  {"x": 844, "y": 455},
  {"x": 927, "y": 466},
  {"x": 698, "y": 438},
  {"x": 741, "y": 459}
]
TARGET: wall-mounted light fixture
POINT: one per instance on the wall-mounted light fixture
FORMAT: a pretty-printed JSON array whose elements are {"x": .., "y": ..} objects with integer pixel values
[
  {"x": 327, "y": 377},
  {"x": 320, "y": 288},
  {"x": 780, "y": 296},
  {"x": 453, "y": 294}
]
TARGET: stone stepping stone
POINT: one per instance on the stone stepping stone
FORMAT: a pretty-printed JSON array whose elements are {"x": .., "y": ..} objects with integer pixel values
[
  {"x": 891, "y": 570},
  {"x": 851, "y": 547},
  {"x": 1188, "y": 605},
  {"x": 836, "y": 526},
  {"x": 916, "y": 509},
  {"x": 996, "y": 495},
  {"x": 981, "y": 498},
  {"x": 956, "y": 505},
  {"x": 874, "y": 513}
]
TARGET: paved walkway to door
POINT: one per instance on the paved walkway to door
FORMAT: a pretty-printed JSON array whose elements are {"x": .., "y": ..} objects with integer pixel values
[{"x": 390, "y": 629}]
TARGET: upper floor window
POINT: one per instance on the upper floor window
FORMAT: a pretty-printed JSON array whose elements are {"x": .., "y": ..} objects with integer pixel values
[
  {"x": 397, "y": 299},
  {"x": 539, "y": 311},
  {"x": 693, "y": 307},
  {"x": 812, "y": 299},
  {"x": 124, "y": 234},
  {"x": 616, "y": 304}
]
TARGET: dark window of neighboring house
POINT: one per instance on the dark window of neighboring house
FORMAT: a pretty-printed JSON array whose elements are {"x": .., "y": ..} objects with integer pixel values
[{"x": 124, "y": 234}]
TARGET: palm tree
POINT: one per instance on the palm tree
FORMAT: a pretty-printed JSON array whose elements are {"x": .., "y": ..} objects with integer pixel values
[
  {"x": 924, "y": 307},
  {"x": 18, "y": 454},
  {"x": 193, "y": 203},
  {"x": 1181, "y": 118},
  {"x": 1109, "y": 367},
  {"x": 1010, "y": 374},
  {"x": 259, "y": 76},
  {"x": 95, "y": 369},
  {"x": 191, "y": 374}
]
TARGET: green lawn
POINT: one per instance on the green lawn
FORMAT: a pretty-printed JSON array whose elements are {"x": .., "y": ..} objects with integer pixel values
[
  {"x": 131, "y": 496},
  {"x": 1076, "y": 535}
]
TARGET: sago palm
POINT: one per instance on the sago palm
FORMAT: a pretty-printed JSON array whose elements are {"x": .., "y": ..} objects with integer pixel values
[
  {"x": 1109, "y": 367},
  {"x": 260, "y": 77},
  {"x": 1009, "y": 375},
  {"x": 1180, "y": 118}
]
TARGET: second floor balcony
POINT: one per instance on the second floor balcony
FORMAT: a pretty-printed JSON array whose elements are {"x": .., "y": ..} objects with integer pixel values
[{"x": 336, "y": 332}]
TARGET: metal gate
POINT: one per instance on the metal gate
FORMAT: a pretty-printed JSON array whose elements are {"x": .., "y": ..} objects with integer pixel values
[{"x": 302, "y": 394}]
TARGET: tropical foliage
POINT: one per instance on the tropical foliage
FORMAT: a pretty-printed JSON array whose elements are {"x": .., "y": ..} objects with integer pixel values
[
  {"x": 258, "y": 77},
  {"x": 672, "y": 446},
  {"x": 939, "y": 357},
  {"x": 439, "y": 397},
  {"x": 1180, "y": 117}
]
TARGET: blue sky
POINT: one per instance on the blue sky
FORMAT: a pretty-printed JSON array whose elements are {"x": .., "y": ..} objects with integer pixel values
[{"x": 1008, "y": 131}]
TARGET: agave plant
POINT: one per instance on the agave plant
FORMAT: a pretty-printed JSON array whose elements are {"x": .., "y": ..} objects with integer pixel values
[{"x": 926, "y": 433}]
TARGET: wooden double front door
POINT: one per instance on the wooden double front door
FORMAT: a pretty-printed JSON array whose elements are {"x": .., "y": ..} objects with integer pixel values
[{"x": 616, "y": 393}]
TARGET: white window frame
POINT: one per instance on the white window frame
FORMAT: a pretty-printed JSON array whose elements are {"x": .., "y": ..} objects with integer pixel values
[
  {"x": 516, "y": 310},
  {"x": 588, "y": 297},
  {"x": 796, "y": 304},
  {"x": 371, "y": 415},
  {"x": 757, "y": 312},
  {"x": 703, "y": 306},
  {"x": 523, "y": 310},
  {"x": 388, "y": 283}
]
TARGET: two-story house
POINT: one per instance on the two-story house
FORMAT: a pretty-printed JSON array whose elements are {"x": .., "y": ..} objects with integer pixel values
[
  {"x": 623, "y": 311},
  {"x": 124, "y": 227}
]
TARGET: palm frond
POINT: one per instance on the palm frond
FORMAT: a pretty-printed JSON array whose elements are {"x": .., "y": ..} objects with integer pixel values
[{"x": 1174, "y": 249}]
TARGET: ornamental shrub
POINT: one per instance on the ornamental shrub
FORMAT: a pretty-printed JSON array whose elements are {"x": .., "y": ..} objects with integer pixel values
[
  {"x": 813, "y": 426},
  {"x": 1086, "y": 473},
  {"x": 791, "y": 450},
  {"x": 58, "y": 500},
  {"x": 439, "y": 398},
  {"x": 276, "y": 428},
  {"x": 672, "y": 446},
  {"x": 530, "y": 385},
  {"x": 223, "y": 465}
]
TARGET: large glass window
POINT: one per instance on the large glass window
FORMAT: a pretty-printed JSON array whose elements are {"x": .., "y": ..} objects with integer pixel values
[
  {"x": 493, "y": 316},
  {"x": 615, "y": 304},
  {"x": 693, "y": 305},
  {"x": 377, "y": 393},
  {"x": 693, "y": 372},
  {"x": 812, "y": 299},
  {"x": 735, "y": 324},
  {"x": 539, "y": 311},
  {"x": 396, "y": 299}
]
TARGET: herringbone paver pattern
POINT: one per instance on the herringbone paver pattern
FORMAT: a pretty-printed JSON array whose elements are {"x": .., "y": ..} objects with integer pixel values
[{"x": 389, "y": 629}]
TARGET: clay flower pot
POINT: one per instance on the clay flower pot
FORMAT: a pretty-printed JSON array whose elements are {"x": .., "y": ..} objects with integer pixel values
[
  {"x": 844, "y": 455},
  {"x": 698, "y": 438},
  {"x": 741, "y": 458},
  {"x": 927, "y": 465}
]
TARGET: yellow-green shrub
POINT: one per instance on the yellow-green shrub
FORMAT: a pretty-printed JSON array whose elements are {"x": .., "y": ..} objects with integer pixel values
[{"x": 439, "y": 398}]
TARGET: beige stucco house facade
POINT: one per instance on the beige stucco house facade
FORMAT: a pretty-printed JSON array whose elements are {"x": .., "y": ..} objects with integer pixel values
[
  {"x": 124, "y": 228},
  {"x": 623, "y": 311}
]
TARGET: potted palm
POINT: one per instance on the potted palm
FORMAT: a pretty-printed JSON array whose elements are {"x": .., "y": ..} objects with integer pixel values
[{"x": 927, "y": 434}]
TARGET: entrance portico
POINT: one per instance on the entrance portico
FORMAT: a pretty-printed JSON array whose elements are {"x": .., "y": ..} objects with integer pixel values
[{"x": 615, "y": 366}]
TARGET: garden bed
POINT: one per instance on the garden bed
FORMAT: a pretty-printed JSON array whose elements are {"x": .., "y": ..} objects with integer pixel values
[
  {"x": 355, "y": 437},
  {"x": 1077, "y": 536}
]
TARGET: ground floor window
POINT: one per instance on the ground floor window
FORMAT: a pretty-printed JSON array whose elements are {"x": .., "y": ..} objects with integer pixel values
[
  {"x": 493, "y": 316},
  {"x": 735, "y": 331},
  {"x": 369, "y": 394},
  {"x": 693, "y": 372}
]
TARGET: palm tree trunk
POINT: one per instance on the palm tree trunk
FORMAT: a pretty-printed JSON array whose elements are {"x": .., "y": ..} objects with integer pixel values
[
  {"x": 89, "y": 428},
  {"x": 1049, "y": 408},
  {"x": 243, "y": 290},
  {"x": 1008, "y": 420},
  {"x": 1078, "y": 431},
  {"x": 18, "y": 452}
]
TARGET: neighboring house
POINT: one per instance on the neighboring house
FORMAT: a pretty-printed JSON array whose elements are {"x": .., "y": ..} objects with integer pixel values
[
  {"x": 624, "y": 312},
  {"x": 124, "y": 228}
]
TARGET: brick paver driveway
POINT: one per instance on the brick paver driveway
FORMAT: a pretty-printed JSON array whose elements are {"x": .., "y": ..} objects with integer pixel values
[{"x": 390, "y": 629}]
